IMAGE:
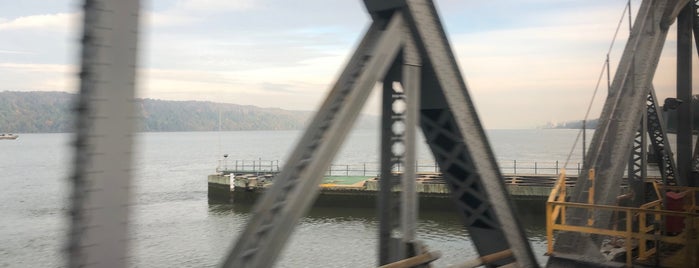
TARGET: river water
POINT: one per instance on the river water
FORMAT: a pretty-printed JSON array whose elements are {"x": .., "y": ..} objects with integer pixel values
[{"x": 174, "y": 225}]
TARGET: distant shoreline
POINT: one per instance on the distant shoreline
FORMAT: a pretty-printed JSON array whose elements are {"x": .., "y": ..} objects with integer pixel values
[{"x": 51, "y": 112}]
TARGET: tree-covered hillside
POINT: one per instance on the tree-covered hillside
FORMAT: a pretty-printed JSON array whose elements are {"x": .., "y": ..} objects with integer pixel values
[
  {"x": 26, "y": 112},
  {"x": 30, "y": 112}
]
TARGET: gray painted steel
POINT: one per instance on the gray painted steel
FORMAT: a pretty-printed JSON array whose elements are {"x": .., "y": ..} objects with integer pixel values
[
  {"x": 684, "y": 93},
  {"x": 652, "y": 124},
  {"x": 105, "y": 123},
  {"x": 104, "y": 135},
  {"x": 390, "y": 250},
  {"x": 695, "y": 13},
  {"x": 464, "y": 153},
  {"x": 695, "y": 158},
  {"x": 457, "y": 140},
  {"x": 276, "y": 214},
  {"x": 398, "y": 129},
  {"x": 613, "y": 138},
  {"x": 638, "y": 164},
  {"x": 659, "y": 141},
  {"x": 411, "y": 86}
]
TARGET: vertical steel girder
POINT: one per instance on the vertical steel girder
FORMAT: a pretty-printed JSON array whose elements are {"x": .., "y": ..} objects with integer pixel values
[
  {"x": 279, "y": 209},
  {"x": 684, "y": 93},
  {"x": 609, "y": 151},
  {"x": 399, "y": 121},
  {"x": 412, "y": 71},
  {"x": 105, "y": 124},
  {"x": 695, "y": 13},
  {"x": 390, "y": 161},
  {"x": 392, "y": 157}
]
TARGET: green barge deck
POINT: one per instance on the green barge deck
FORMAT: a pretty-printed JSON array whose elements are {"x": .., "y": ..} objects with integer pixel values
[{"x": 530, "y": 191}]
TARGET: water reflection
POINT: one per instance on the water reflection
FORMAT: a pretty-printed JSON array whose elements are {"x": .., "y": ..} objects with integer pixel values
[
  {"x": 533, "y": 220},
  {"x": 344, "y": 231}
]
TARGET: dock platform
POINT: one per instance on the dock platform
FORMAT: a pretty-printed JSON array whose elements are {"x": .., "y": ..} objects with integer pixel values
[
  {"x": 361, "y": 191},
  {"x": 528, "y": 183}
]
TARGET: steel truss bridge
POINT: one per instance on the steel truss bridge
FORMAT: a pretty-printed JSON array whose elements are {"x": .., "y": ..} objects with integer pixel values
[{"x": 407, "y": 51}]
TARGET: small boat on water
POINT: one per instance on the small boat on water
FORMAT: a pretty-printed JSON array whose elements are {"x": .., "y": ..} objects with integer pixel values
[{"x": 10, "y": 136}]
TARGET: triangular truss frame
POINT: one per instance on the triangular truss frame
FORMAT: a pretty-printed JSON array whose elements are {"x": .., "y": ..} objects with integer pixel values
[
  {"x": 630, "y": 111},
  {"x": 405, "y": 43}
]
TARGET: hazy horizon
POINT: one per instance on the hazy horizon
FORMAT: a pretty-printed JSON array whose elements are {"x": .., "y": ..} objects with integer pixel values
[{"x": 526, "y": 63}]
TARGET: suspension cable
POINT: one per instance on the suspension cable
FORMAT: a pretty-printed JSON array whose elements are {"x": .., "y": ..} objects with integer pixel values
[{"x": 605, "y": 66}]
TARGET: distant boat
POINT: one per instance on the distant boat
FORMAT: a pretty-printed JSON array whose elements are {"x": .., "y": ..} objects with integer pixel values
[{"x": 10, "y": 136}]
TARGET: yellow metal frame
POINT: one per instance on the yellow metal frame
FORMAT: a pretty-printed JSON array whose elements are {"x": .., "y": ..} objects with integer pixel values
[{"x": 636, "y": 225}]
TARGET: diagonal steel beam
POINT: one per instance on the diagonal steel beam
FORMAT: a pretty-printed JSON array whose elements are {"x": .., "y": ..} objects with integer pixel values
[
  {"x": 626, "y": 100},
  {"x": 623, "y": 108},
  {"x": 294, "y": 189},
  {"x": 446, "y": 112},
  {"x": 460, "y": 145}
]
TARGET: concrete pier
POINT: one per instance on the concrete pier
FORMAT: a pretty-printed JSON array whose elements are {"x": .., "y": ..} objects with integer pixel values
[{"x": 220, "y": 187}]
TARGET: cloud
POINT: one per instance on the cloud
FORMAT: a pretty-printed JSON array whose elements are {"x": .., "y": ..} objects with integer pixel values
[
  {"x": 532, "y": 58},
  {"x": 277, "y": 87},
  {"x": 538, "y": 57},
  {"x": 57, "y": 21},
  {"x": 38, "y": 77},
  {"x": 14, "y": 52},
  {"x": 51, "y": 68},
  {"x": 215, "y": 5},
  {"x": 165, "y": 19}
]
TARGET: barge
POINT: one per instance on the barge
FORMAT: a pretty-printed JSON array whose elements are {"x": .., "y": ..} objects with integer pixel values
[
  {"x": 4, "y": 136},
  {"x": 528, "y": 191}
]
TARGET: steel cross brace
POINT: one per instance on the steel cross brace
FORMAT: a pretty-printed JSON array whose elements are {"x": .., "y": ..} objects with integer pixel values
[
  {"x": 659, "y": 142},
  {"x": 614, "y": 136},
  {"x": 448, "y": 119},
  {"x": 652, "y": 124},
  {"x": 638, "y": 164}
]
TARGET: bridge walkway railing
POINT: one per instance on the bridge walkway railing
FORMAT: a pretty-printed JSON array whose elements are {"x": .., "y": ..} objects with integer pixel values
[
  {"x": 644, "y": 228},
  {"x": 509, "y": 167}
]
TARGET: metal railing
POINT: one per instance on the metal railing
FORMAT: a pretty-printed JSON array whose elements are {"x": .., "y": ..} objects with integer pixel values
[
  {"x": 510, "y": 167},
  {"x": 534, "y": 167},
  {"x": 643, "y": 226},
  {"x": 248, "y": 166}
]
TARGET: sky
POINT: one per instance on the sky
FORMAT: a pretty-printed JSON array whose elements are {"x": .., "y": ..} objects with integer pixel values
[{"x": 526, "y": 63}]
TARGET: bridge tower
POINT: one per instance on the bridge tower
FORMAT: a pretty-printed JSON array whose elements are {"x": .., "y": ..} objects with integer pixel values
[{"x": 630, "y": 115}]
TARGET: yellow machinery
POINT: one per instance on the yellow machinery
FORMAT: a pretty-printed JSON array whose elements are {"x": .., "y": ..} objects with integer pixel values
[{"x": 641, "y": 233}]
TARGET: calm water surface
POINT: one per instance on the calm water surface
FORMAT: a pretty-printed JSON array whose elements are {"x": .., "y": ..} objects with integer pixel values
[{"x": 173, "y": 224}]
